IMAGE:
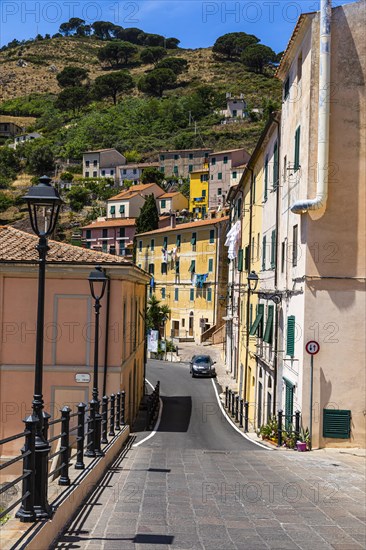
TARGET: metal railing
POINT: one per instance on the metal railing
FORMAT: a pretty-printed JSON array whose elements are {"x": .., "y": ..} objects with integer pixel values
[{"x": 87, "y": 440}]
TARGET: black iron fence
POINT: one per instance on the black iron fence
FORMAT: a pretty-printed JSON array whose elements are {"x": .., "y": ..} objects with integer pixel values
[{"x": 66, "y": 449}]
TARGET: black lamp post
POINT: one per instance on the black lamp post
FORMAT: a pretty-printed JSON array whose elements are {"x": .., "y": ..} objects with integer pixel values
[
  {"x": 97, "y": 281},
  {"x": 252, "y": 281},
  {"x": 44, "y": 205}
]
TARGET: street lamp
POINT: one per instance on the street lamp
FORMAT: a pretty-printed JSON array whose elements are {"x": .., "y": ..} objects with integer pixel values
[
  {"x": 97, "y": 282},
  {"x": 252, "y": 281},
  {"x": 44, "y": 205}
]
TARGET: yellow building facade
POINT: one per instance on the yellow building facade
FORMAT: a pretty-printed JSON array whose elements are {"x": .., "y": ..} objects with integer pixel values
[
  {"x": 198, "y": 191},
  {"x": 189, "y": 274}
]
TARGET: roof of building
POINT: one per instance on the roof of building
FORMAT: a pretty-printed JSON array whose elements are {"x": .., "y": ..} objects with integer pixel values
[
  {"x": 169, "y": 195},
  {"x": 228, "y": 151},
  {"x": 238, "y": 166},
  {"x": 21, "y": 121},
  {"x": 190, "y": 225},
  {"x": 108, "y": 157},
  {"x": 140, "y": 165},
  {"x": 115, "y": 222},
  {"x": 135, "y": 190},
  {"x": 186, "y": 150},
  {"x": 20, "y": 247}
]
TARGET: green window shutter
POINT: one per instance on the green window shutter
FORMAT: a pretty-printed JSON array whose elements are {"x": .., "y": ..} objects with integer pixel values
[
  {"x": 246, "y": 263},
  {"x": 250, "y": 314},
  {"x": 152, "y": 245},
  {"x": 113, "y": 209},
  {"x": 163, "y": 203},
  {"x": 164, "y": 268},
  {"x": 140, "y": 245},
  {"x": 210, "y": 265},
  {"x": 176, "y": 294},
  {"x": 191, "y": 294},
  {"x": 177, "y": 267},
  {"x": 225, "y": 160},
  {"x": 190, "y": 168},
  {"x": 266, "y": 179},
  {"x": 175, "y": 169},
  {"x": 192, "y": 267},
  {"x": 178, "y": 241},
  {"x": 122, "y": 209},
  {"x": 290, "y": 341},
  {"x": 273, "y": 249},
  {"x": 240, "y": 259},
  {"x": 258, "y": 323},
  {"x": 209, "y": 295},
  {"x": 212, "y": 236},
  {"x": 264, "y": 246},
  {"x": 88, "y": 233},
  {"x": 194, "y": 239},
  {"x": 254, "y": 186},
  {"x": 275, "y": 166},
  {"x": 289, "y": 404},
  {"x": 336, "y": 424},
  {"x": 165, "y": 244},
  {"x": 163, "y": 293},
  {"x": 151, "y": 269},
  {"x": 297, "y": 149},
  {"x": 235, "y": 174},
  {"x": 268, "y": 333}
]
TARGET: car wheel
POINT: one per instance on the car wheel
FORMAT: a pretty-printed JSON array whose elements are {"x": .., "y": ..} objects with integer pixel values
[{"x": 193, "y": 375}]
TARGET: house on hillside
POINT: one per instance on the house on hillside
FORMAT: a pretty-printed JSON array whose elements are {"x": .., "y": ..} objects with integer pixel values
[
  {"x": 68, "y": 341},
  {"x": 221, "y": 164},
  {"x": 102, "y": 163},
  {"x": 112, "y": 236},
  {"x": 133, "y": 172},
  {"x": 236, "y": 108},
  {"x": 171, "y": 202},
  {"x": 182, "y": 162},
  {"x": 23, "y": 138},
  {"x": 128, "y": 203}
]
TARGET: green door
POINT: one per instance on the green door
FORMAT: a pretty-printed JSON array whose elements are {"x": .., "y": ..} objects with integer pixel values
[{"x": 289, "y": 404}]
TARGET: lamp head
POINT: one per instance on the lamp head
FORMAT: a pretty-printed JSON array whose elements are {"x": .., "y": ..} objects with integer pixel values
[
  {"x": 97, "y": 282},
  {"x": 44, "y": 203},
  {"x": 253, "y": 280}
]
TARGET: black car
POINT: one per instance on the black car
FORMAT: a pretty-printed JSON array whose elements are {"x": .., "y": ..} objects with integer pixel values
[{"x": 202, "y": 365}]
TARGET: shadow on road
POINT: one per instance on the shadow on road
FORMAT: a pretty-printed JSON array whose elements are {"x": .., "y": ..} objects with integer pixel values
[{"x": 177, "y": 413}]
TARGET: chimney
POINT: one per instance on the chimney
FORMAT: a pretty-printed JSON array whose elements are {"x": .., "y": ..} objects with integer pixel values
[{"x": 173, "y": 220}]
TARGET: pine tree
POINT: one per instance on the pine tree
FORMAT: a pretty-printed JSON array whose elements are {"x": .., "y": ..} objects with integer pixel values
[{"x": 148, "y": 219}]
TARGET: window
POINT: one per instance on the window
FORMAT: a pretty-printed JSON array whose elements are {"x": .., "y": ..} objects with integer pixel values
[
  {"x": 140, "y": 246},
  {"x": 122, "y": 232},
  {"x": 165, "y": 242},
  {"x": 175, "y": 169},
  {"x": 294, "y": 245},
  {"x": 112, "y": 173},
  {"x": 194, "y": 239},
  {"x": 152, "y": 245},
  {"x": 162, "y": 170},
  {"x": 219, "y": 191},
  {"x": 275, "y": 166},
  {"x": 163, "y": 293},
  {"x": 299, "y": 67},
  {"x": 162, "y": 157},
  {"x": 103, "y": 172},
  {"x": 164, "y": 268},
  {"x": 95, "y": 163},
  {"x": 240, "y": 259},
  {"x": 225, "y": 158},
  {"x": 124, "y": 171},
  {"x": 268, "y": 333},
  {"x": 191, "y": 294},
  {"x": 238, "y": 207},
  {"x": 235, "y": 174},
  {"x": 134, "y": 171},
  {"x": 95, "y": 174},
  {"x": 210, "y": 265},
  {"x": 284, "y": 169},
  {"x": 87, "y": 163},
  {"x": 254, "y": 188},
  {"x": 190, "y": 168},
  {"x": 122, "y": 209},
  {"x": 206, "y": 155},
  {"x": 192, "y": 267},
  {"x": 286, "y": 88},
  {"x": 283, "y": 256},
  {"x": 212, "y": 236},
  {"x": 151, "y": 269},
  {"x": 257, "y": 326},
  {"x": 204, "y": 177},
  {"x": 163, "y": 203},
  {"x": 203, "y": 193},
  {"x": 177, "y": 267},
  {"x": 211, "y": 177},
  {"x": 113, "y": 210},
  {"x": 88, "y": 233},
  {"x": 190, "y": 156},
  {"x": 219, "y": 176},
  {"x": 86, "y": 174},
  {"x": 297, "y": 150},
  {"x": 209, "y": 294},
  {"x": 176, "y": 294},
  {"x": 290, "y": 340},
  {"x": 266, "y": 178},
  {"x": 273, "y": 249},
  {"x": 253, "y": 247},
  {"x": 104, "y": 233},
  {"x": 247, "y": 258},
  {"x": 235, "y": 112},
  {"x": 213, "y": 161},
  {"x": 179, "y": 240},
  {"x": 264, "y": 244},
  {"x": 88, "y": 245}
]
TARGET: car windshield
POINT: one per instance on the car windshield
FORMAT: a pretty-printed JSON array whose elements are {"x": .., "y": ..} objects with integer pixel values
[{"x": 201, "y": 359}]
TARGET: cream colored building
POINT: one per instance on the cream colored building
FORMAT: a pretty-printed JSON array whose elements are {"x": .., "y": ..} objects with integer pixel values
[
  {"x": 189, "y": 274},
  {"x": 171, "y": 202}
]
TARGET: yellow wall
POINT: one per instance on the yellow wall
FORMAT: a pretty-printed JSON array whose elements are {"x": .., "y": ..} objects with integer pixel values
[{"x": 196, "y": 189}]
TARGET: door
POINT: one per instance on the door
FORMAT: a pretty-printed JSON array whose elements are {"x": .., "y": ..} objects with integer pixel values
[
  {"x": 289, "y": 404},
  {"x": 269, "y": 406},
  {"x": 175, "y": 329},
  {"x": 259, "y": 411},
  {"x": 190, "y": 327}
]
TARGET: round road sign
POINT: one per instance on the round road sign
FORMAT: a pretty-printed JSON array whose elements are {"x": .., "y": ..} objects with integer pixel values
[{"x": 312, "y": 347}]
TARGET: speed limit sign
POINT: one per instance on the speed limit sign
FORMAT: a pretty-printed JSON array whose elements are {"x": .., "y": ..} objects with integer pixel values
[{"x": 312, "y": 347}]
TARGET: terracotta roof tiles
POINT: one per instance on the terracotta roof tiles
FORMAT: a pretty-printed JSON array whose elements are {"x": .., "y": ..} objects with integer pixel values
[{"x": 190, "y": 225}]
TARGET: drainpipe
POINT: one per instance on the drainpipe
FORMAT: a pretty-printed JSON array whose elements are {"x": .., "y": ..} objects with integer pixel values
[
  {"x": 275, "y": 360},
  {"x": 106, "y": 338},
  {"x": 320, "y": 201},
  {"x": 249, "y": 269}
]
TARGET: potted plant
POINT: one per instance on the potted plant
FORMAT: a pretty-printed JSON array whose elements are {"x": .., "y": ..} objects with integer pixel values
[{"x": 303, "y": 443}]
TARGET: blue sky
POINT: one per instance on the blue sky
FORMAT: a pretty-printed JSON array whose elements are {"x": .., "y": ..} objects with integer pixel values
[{"x": 195, "y": 23}]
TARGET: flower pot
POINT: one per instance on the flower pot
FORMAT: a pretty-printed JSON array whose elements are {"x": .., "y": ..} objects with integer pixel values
[{"x": 301, "y": 446}]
